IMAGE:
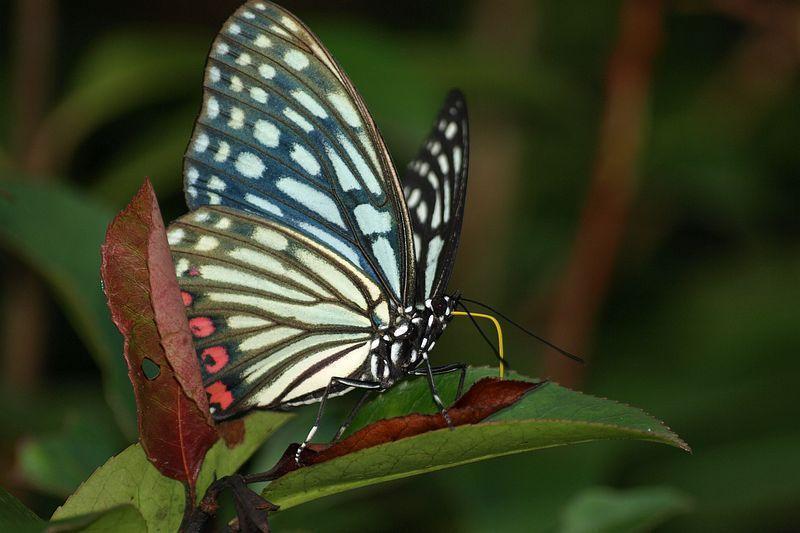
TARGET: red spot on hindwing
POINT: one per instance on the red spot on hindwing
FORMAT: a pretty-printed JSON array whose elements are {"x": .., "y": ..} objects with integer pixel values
[
  {"x": 187, "y": 298},
  {"x": 215, "y": 358},
  {"x": 218, "y": 393},
  {"x": 193, "y": 271},
  {"x": 201, "y": 326}
]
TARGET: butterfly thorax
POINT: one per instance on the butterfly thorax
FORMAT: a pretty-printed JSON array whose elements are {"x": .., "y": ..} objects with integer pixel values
[{"x": 401, "y": 348}]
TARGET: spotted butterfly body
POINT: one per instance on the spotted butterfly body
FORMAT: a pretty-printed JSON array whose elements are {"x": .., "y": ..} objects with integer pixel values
[{"x": 305, "y": 270}]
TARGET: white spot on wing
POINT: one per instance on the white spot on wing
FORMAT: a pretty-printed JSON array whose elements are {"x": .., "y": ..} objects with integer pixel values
[
  {"x": 345, "y": 109},
  {"x": 175, "y": 236},
  {"x": 216, "y": 184},
  {"x": 342, "y": 171},
  {"x": 304, "y": 158},
  {"x": 370, "y": 220},
  {"x": 311, "y": 198},
  {"x": 237, "y": 118},
  {"x": 259, "y": 95},
  {"x": 223, "y": 152},
  {"x": 296, "y": 59},
  {"x": 434, "y": 249},
  {"x": 298, "y": 119},
  {"x": 446, "y": 215},
  {"x": 413, "y": 198},
  {"x": 307, "y": 101},
  {"x": 361, "y": 165},
  {"x": 263, "y": 204},
  {"x": 201, "y": 143},
  {"x": 206, "y": 243},
  {"x": 451, "y": 130},
  {"x": 436, "y": 217},
  {"x": 244, "y": 59},
  {"x": 289, "y": 23},
  {"x": 212, "y": 108},
  {"x": 270, "y": 238},
  {"x": 387, "y": 259},
  {"x": 181, "y": 266},
  {"x": 280, "y": 31},
  {"x": 222, "y": 49},
  {"x": 443, "y": 164},
  {"x": 262, "y": 41},
  {"x": 266, "y": 133},
  {"x": 214, "y": 74},
  {"x": 247, "y": 322},
  {"x": 422, "y": 211},
  {"x": 457, "y": 159},
  {"x": 267, "y": 71},
  {"x": 249, "y": 165}
]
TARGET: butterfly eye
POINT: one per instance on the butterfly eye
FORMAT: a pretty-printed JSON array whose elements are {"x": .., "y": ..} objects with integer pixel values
[{"x": 439, "y": 306}]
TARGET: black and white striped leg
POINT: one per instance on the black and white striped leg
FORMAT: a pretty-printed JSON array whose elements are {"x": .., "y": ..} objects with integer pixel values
[
  {"x": 347, "y": 382},
  {"x": 446, "y": 369},
  {"x": 432, "y": 384},
  {"x": 351, "y": 415}
]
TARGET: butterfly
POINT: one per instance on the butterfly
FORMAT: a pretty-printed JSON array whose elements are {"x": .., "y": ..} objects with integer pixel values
[{"x": 307, "y": 267}]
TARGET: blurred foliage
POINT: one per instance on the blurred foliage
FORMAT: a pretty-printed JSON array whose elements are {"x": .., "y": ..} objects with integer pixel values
[
  {"x": 698, "y": 325},
  {"x": 599, "y": 510}
]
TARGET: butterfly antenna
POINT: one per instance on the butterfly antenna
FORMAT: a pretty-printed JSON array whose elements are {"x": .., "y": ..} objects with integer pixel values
[
  {"x": 526, "y": 330},
  {"x": 504, "y": 364}
]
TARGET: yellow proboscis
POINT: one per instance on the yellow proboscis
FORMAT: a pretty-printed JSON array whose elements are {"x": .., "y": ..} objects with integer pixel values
[{"x": 499, "y": 336}]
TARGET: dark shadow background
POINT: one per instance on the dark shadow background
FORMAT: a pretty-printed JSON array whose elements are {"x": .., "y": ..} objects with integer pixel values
[{"x": 633, "y": 196}]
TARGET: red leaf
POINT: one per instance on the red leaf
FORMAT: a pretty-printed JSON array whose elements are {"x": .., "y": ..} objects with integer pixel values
[{"x": 175, "y": 427}]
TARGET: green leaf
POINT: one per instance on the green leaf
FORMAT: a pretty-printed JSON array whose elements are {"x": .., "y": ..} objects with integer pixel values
[
  {"x": 120, "y": 519},
  {"x": 14, "y": 516},
  {"x": 57, "y": 463},
  {"x": 549, "y": 416},
  {"x": 129, "y": 478},
  {"x": 222, "y": 461},
  {"x": 58, "y": 233},
  {"x": 601, "y": 509}
]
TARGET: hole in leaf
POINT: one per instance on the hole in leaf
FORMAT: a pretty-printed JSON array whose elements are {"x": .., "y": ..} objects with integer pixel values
[{"x": 150, "y": 369}]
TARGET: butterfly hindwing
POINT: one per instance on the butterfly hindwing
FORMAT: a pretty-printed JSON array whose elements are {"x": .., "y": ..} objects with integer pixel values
[
  {"x": 435, "y": 190},
  {"x": 284, "y": 135},
  {"x": 274, "y": 314}
]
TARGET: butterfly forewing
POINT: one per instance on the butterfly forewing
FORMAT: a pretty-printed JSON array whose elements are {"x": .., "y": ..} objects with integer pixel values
[
  {"x": 435, "y": 190},
  {"x": 275, "y": 314},
  {"x": 284, "y": 135}
]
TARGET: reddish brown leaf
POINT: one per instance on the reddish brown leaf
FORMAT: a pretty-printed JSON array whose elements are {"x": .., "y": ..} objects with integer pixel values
[
  {"x": 482, "y": 400},
  {"x": 142, "y": 291}
]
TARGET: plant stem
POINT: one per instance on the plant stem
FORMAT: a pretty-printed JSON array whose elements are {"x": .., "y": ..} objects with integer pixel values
[{"x": 604, "y": 217}]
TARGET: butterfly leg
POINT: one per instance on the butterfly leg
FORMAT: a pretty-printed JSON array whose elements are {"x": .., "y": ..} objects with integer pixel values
[
  {"x": 347, "y": 382},
  {"x": 432, "y": 384},
  {"x": 351, "y": 415},
  {"x": 446, "y": 369}
]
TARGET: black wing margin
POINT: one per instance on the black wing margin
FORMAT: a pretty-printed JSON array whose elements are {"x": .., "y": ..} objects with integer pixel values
[{"x": 435, "y": 186}]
